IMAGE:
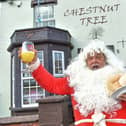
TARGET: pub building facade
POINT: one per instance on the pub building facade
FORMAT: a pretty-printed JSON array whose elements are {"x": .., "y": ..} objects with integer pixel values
[
  {"x": 54, "y": 51},
  {"x": 54, "y": 26}
]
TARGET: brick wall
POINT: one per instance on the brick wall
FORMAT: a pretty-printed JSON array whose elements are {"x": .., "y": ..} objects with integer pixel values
[
  {"x": 29, "y": 120},
  {"x": 23, "y": 124}
]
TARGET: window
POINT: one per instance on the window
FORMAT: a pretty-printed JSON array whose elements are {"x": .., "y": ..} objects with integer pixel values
[
  {"x": 13, "y": 81},
  {"x": 58, "y": 63},
  {"x": 111, "y": 47},
  {"x": 79, "y": 50},
  {"x": 44, "y": 15},
  {"x": 31, "y": 91}
]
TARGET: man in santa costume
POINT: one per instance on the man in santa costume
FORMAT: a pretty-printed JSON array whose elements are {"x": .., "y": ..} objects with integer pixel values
[{"x": 90, "y": 79}]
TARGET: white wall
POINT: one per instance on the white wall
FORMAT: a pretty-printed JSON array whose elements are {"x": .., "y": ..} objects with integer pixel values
[
  {"x": 11, "y": 18},
  {"x": 114, "y": 28}
]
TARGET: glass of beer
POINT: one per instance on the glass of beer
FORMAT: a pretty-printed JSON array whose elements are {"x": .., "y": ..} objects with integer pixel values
[{"x": 27, "y": 53}]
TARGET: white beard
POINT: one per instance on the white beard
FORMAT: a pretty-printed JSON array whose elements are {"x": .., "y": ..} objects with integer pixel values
[{"x": 90, "y": 91}]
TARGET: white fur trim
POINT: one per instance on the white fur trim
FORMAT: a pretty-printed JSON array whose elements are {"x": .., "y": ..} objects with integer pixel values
[
  {"x": 123, "y": 121},
  {"x": 34, "y": 66},
  {"x": 99, "y": 118}
]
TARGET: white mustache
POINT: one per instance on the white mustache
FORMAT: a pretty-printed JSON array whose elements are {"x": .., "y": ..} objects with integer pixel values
[{"x": 95, "y": 66}]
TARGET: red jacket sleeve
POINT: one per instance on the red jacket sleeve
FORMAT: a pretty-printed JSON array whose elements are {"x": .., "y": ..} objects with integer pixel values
[{"x": 51, "y": 83}]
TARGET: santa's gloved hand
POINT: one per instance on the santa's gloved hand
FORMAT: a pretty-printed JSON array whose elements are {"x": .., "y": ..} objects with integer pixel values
[
  {"x": 122, "y": 80},
  {"x": 113, "y": 83}
]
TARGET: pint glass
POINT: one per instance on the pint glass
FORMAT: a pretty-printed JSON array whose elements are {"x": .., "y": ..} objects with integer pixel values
[{"x": 27, "y": 53}]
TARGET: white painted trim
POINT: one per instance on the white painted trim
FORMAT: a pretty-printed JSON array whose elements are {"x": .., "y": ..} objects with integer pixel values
[{"x": 53, "y": 60}]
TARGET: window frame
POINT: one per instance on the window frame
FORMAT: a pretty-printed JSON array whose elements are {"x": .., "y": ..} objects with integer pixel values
[
  {"x": 63, "y": 62},
  {"x": 13, "y": 81},
  {"x": 38, "y": 12}
]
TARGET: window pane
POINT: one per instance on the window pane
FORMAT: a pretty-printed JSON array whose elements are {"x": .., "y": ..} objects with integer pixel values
[
  {"x": 33, "y": 95},
  {"x": 40, "y": 92},
  {"x": 58, "y": 62},
  {"x": 45, "y": 23},
  {"x": 26, "y": 96},
  {"x": 40, "y": 55},
  {"x": 26, "y": 74},
  {"x": 32, "y": 83},
  {"x": 51, "y": 23},
  {"x": 26, "y": 91},
  {"x": 51, "y": 12},
  {"x": 26, "y": 100},
  {"x": 26, "y": 83}
]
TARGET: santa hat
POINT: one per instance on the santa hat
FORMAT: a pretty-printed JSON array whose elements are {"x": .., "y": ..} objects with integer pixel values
[{"x": 98, "y": 46}]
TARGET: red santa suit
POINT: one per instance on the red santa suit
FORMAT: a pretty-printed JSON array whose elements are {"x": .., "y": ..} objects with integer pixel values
[{"x": 61, "y": 86}]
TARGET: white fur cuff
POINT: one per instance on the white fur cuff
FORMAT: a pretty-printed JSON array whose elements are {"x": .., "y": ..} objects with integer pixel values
[{"x": 34, "y": 66}]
